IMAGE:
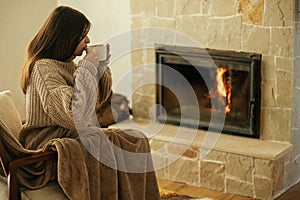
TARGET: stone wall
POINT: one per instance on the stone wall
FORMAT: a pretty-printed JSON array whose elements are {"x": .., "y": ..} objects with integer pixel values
[
  {"x": 225, "y": 172},
  {"x": 259, "y": 26}
]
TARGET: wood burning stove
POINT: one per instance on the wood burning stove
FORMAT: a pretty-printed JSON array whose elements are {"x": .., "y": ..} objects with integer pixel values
[{"x": 195, "y": 85}]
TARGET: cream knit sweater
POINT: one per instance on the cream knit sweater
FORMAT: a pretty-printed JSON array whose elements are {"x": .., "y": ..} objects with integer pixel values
[{"x": 56, "y": 99}]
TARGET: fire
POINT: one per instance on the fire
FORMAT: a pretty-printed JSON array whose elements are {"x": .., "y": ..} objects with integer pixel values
[{"x": 223, "y": 88}]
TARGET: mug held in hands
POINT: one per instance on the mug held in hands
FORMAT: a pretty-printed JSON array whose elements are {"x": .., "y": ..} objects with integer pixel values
[{"x": 101, "y": 49}]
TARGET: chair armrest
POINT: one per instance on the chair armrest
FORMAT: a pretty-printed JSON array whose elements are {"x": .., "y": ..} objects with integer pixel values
[
  {"x": 13, "y": 189},
  {"x": 37, "y": 157}
]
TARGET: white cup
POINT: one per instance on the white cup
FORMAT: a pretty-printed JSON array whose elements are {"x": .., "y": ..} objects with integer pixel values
[{"x": 101, "y": 50}]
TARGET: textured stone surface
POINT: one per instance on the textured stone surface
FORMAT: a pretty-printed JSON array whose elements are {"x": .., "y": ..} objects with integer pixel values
[
  {"x": 225, "y": 33},
  {"x": 281, "y": 42},
  {"x": 268, "y": 93},
  {"x": 255, "y": 39},
  {"x": 194, "y": 27},
  {"x": 165, "y": 8},
  {"x": 212, "y": 175},
  {"x": 252, "y": 11},
  {"x": 185, "y": 170},
  {"x": 268, "y": 68},
  {"x": 136, "y": 58},
  {"x": 216, "y": 156},
  {"x": 226, "y": 8},
  {"x": 240, "y": 167},
  {"x": 263, "y": 188},
  {"x": 284, "y": 64},
  {"x": 165, "y": 23},
  {"x": 284, "y": 89},
  {"x": 239, "y": 187},
  {"x": 278, "y": 176},
  {"x": 262, "y": 168},
  {"x": 142, "y": 7},
  {"x": 260, "y": 26},
  {"x": 137, "y": 22},
  {"x": 187, "y": 7},
  {"x": 142, "y": 104},
  {"x": 275, "y": 124},
  {"x": 278, "y": 13}
]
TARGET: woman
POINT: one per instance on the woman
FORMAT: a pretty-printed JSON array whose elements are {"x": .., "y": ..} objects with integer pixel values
[{"x": 55, "y": 100}]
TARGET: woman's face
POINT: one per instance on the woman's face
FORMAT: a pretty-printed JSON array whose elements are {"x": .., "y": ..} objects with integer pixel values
[{"x": 81, "y": 46}]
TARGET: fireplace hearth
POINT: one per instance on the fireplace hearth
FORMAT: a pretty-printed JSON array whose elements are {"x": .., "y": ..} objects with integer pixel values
[{"x": 206, "y": 88}]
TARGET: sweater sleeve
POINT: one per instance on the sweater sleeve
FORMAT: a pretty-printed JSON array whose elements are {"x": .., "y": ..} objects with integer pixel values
[
  {"x": 84, "y": 95},
  {"x": 104, "y": 88}
]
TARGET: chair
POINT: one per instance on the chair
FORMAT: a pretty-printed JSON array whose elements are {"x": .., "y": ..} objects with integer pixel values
[{"x": 9, "y": 117}]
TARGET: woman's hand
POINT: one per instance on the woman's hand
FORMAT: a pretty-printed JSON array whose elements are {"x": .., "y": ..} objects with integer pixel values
[{"x": 92, "y": 56}]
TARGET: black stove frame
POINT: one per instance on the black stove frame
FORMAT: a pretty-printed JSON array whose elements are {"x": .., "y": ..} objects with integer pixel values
[{"x": 204, "y": 58}]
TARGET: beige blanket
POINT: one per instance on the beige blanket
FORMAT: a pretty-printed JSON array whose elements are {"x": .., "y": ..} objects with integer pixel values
[{"x": 125, "y": 171}]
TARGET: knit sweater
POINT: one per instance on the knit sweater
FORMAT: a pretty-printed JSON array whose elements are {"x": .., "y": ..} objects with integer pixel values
[{"x": 57, "y": 101}]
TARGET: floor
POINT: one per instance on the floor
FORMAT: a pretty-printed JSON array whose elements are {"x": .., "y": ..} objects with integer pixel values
[
  {"x": 193, "y": 191},
  {"x": 292, "y": 194}
]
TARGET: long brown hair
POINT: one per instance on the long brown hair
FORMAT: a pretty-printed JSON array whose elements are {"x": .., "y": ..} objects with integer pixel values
[{"x": 57, "y": 39}]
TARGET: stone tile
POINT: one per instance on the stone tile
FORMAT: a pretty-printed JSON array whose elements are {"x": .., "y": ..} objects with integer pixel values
[
  {"x": 160, "y": 159},
  {"x": 278, "y": 176},
  {"x": 205, "y": 7},
  {"x": 212, "y": 175},
  {"x": 142, "y": 7},
  {"x": 281, "y": 42},
  {"x": 176, "y": 149},
  {"x": 263, "y": 168},
  {"x": 157, "y": 145},
  {"x": 263, "y": 188},
  {"x": 194, "y": 27},
  {"x": 225, "y": 33},
  {"x": 160, "y": 31},
  {"x": 141, "y": 105},
  {"x": 279, "y": 13},
  {"x": 159, "y": 22},
  {"x": 187, "y": 7},
  {"x": 226, "y": 8},
  {"x": 240, "y": 167},
  {"x": 268, "y": 68},
  {"x": 136, "y": 58},
  {"x": 216, "y": 156},
  {"x": 238, "y": 187},
  {"x": 275, "y": 124},
  {"x": 137, "y": 22},
  {"x": 255, "y": 39},
  {"x": 165, "y": 8},
  {"x": 186, "y": 171},
  {"x": 268, "y": 93},
  {"x": 182, "y": 150},
  {"x": 284, "y": 89},
  {"x": 284, "y": 64},
  {"x": 191, "y": 153},
  {"x": 252, "y": 11}
]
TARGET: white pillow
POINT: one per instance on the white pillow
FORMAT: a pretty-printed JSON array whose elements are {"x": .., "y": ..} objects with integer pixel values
[{"x": 9, "y": 114}]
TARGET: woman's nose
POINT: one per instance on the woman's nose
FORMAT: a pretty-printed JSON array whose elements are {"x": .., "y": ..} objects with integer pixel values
[{"x": 87, "y": 39}]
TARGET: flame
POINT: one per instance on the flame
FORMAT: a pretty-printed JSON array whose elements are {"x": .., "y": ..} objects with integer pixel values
[{"x": 222, "y": 87}]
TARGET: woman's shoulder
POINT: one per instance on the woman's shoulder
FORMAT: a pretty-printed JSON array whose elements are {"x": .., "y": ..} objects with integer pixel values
[{"x": 46, "y": 64}]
